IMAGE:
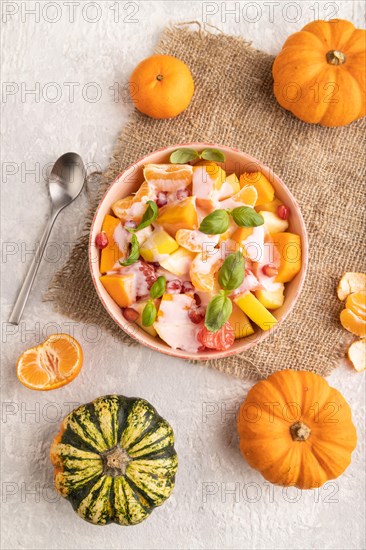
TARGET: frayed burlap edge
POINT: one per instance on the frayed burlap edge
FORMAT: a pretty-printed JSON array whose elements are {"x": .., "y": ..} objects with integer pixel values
[{"x": 243, "y": 365}]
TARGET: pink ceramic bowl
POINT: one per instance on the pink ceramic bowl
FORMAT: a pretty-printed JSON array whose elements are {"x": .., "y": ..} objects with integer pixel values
[{"x": 130, "y": 180}]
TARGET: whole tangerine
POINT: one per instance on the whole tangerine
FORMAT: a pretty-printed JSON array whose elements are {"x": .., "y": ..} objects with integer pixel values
[{"x": 161, "y": 86}]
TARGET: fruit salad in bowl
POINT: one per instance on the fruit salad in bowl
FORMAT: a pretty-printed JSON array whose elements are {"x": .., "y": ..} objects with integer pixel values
[{"x": 198, "y": 251}]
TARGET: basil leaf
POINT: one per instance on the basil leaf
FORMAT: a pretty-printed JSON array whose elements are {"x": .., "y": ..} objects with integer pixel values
[
  {"x": 218, "y": 312},
  {"x": 213, "y": 154},
  {"x": 134, "y": 252},
  {"x": 149, "y": 314},
  {"x": 182, "y": 156},
  {"x": 215, "y": 223},
  {"x": 158, "y": 288},
  {"x": 246, "y": 217},
  {"x": 150, "y": 215},
  {"x": 231, "y": 273}
]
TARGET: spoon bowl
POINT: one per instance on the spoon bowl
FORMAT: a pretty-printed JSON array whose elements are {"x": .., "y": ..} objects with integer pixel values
[{"x": 66, "y": 180}]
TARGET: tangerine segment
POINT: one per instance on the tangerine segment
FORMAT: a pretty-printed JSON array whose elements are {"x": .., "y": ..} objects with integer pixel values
[
  {"x": 353, "y": 323},
  {"x": 357, "y": 354},
  {"x": 203, "y": 269},
  {"x": 247, "y": 196},
  {"x": 168, "y": 177},
  {"x": 263, "y": 186},
  {"x": 356, "y": 302},
  {"x": 134, "y": 206},
  {"x": 52, "y": 364},
  {"x": 195, "y": 241}
]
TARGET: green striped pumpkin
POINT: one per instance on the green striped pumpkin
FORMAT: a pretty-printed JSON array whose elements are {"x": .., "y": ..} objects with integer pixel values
[{"x": 114, "y": 460}]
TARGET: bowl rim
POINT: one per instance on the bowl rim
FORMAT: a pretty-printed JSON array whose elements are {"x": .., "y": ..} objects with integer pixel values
[{"x": 161, "y": 346}]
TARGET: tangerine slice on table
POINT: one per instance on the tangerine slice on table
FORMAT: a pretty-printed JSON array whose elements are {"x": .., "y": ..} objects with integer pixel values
[
  {"x": 357, "y": 354},
  {"x": 52, "y": 364},
  {"x": 356, "y": 302},
  {"x": 353, "y": 323},
  {"x": 168, "y": 177}
]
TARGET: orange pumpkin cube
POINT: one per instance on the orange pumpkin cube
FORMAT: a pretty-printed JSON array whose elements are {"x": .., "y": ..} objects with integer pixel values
[
  {"x": 111, "y": 254},
  {"x": 288, "y": 261},
  {"x": 122, "y": 288},
  {"x": 180, "y": 215}
]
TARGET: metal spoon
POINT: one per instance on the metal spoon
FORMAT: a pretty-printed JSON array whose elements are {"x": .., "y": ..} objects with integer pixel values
[{"x": 65, "y": 184}]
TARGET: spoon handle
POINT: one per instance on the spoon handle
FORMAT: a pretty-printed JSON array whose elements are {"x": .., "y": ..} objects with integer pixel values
[{"x": 19, "y": 305}]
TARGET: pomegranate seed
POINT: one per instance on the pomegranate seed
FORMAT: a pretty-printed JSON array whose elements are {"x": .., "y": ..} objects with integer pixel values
[
  {"x": 196, "y": 314},
  {"x": 101, "y": 240},
  {"x": 187, "y": 287},
  {"x": 270, "y": 270},
  {"x": 130, "y": 224},
  {"x": 197, "y": 299},
  {"x": 182, "y": 194},
  {"x": 148, "y": 271},
  {"x": 161, "y": 199},
  {"x": 174, "y": 287},
  {"x": 283, "y": 212},
  {"x": 130, "y": 314}
]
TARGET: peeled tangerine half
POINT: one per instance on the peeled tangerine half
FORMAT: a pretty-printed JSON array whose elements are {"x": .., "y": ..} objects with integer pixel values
[
  {"x": 353, "y": 323},
  {"x": 353, "y": 317},
  {"x": 194, "y": 240},
  {"x": 52, "y": 364},
  {"x": 351, "y": 282},
  {"x": 356, "y": 302},
  {"x": 134, "y": 206},
  {"x": 357, "y": 354},
  {"x": 168, "y": 177},
  {"x": 247, "y": 196},
  {"x": 173, "y": 324}
]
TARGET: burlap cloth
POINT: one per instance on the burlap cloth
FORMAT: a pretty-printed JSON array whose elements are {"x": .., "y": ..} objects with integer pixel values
[{"x": 234, "y": 105}]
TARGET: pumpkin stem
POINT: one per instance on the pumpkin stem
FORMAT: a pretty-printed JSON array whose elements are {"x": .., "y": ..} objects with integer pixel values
[
  {"x": 300, "y": 431},
  {"x": 335, "y": 57},
  {"x": 159, "y": 77},
  {"x": 115, "y": 462}
]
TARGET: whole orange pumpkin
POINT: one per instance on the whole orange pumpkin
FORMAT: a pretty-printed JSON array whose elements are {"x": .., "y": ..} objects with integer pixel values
[
  {"x": 320, "y": 74},
  {"x": 296, "y": 430}
]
